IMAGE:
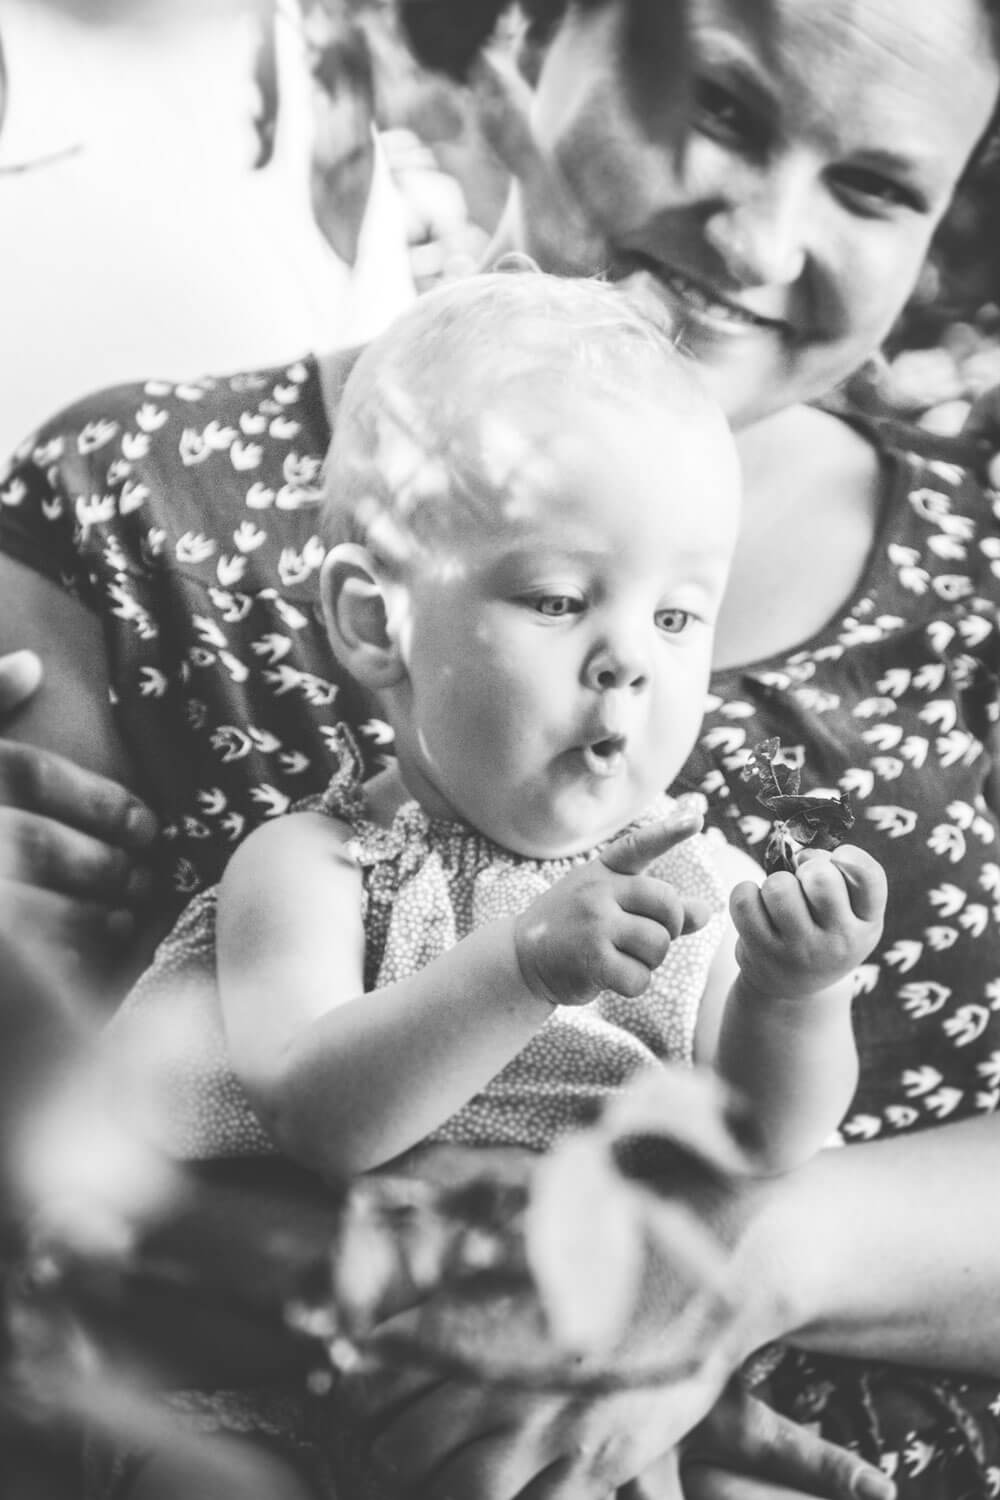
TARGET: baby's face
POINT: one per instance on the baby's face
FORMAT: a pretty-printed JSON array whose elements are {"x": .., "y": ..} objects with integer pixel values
[{"x": 558, "y": 653}]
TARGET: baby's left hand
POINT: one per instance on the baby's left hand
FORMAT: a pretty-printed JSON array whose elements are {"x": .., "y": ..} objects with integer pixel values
[{"x": 799, "y": 933}]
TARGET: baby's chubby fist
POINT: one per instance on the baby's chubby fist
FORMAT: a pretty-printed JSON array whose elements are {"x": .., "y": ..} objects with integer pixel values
[
  {"x": 799, "y": 933},
  {"x": 607, "y": 925}
]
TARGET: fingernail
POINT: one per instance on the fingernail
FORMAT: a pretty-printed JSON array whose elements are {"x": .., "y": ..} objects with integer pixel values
[
  {"x": 686, "y": 823},
  {"x": 869, "y": 1484},
  {"x": 140, "y": 824}
]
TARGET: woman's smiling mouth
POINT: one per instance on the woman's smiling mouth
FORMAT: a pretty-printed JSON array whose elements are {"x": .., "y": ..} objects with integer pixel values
[{"x": 690, "y": 299}]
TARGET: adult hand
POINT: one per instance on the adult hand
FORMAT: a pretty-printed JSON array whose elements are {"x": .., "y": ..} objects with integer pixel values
[
  {"x": 427, "y": 1435},
  {"x": 439, "y": 1439},
  {"x": 607, "y": 925},
  {"x": 983, "y": 423},
  {"x": 745, "y": 1451},
  {"x": 71, "y": 841}
]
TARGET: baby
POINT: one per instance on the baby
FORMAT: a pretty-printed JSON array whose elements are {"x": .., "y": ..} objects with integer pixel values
[{"x": 531, "y": 505}]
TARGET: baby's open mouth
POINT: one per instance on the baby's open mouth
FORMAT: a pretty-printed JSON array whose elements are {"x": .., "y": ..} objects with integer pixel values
[{"x": 604, "y": 757}]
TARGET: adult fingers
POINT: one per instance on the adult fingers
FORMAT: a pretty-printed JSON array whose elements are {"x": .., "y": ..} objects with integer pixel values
[
  {"x": 497, "y": 1436},
  {"x": 708, "y": 1482},
  {"x": 983, "y": 424},
  {"x": 39, "y": 781},
  {"x": 36, "y": 851},
  {"x": 748, "y": 1437},
  {"x": 58, "y": 955},
  {"x": 20, "y": 678},
  {"x": 630, "y": 854}
]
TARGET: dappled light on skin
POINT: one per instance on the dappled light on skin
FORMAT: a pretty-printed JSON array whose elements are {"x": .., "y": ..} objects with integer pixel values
[{"x": 418, "y": 488}]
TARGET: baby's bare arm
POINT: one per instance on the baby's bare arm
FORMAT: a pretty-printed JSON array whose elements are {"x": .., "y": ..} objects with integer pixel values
[
  {"x": 346, "y": 1080},
  {"x": 785, "y": 1038}
]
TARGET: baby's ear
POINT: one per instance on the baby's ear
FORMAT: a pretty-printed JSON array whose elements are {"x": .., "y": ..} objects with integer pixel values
[{"x": 355, "y": 609}]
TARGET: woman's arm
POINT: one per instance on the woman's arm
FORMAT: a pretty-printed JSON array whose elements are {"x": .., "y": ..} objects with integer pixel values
[
  {"x": 346, "y": 1080},
  {"x": 888, "y": 1250}
]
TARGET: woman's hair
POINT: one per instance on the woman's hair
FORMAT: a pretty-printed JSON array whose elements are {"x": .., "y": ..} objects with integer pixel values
[
  {"x": 449, "y": 35},
  {"x": 451, "y": 412}
]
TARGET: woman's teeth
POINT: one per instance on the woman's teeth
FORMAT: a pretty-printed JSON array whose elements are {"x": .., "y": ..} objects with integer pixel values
[{"x": 696, "y": 298}]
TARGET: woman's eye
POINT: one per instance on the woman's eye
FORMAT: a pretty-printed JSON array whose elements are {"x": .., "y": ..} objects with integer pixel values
[
  {"x": 870, "y": 189},
  {"x": 558, "y": 605},
  {"x": 673, "y": 621},
  {"x": 721, "y": 113}
]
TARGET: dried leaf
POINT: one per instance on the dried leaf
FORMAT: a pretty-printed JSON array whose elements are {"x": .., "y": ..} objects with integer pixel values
[{"x": 807, "y": 820}]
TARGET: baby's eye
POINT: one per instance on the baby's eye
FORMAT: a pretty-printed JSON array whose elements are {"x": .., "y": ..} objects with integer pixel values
[
  {"x": 673, "y": 621},
  {"x": 557, "y": 605}
]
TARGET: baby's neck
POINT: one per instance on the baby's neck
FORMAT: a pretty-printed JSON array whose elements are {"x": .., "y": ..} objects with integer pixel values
[{"x": 385, "y": 794}]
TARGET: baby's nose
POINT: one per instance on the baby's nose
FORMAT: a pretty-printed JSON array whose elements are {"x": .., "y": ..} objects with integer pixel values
[{"x": 617, "y": 667}]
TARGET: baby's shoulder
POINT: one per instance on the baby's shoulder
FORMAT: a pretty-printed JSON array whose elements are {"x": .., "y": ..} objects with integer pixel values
[{"x": 290, "y": 848}]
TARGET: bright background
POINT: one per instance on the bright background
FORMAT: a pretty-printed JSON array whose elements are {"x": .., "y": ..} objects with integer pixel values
[{"x": 154, "y": 249}]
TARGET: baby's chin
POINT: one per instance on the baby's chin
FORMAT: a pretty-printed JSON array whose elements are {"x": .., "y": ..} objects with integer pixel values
[{"x": 556, "y": 843}]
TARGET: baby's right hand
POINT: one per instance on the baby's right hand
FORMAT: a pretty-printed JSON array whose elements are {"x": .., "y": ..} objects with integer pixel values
[{"x": 607, "y": 925}]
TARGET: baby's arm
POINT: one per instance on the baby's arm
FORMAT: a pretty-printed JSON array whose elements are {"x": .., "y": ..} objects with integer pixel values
[
  {"x": 784, "y": 1039},
  {"x": 346, "y": 1080}
]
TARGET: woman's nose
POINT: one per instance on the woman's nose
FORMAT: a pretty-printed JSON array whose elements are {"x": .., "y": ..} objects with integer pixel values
[{"x": 761, "y": 229}]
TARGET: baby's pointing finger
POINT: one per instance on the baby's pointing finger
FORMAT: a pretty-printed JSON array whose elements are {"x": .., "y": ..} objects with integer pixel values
[{"x": 630, "y": 854}]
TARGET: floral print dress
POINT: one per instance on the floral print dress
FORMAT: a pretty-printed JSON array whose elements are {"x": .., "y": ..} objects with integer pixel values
[{"x": 184, "y": 516}]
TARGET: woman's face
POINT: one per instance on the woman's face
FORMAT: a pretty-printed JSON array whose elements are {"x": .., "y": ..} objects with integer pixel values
[{"x": 785, "y": 239}]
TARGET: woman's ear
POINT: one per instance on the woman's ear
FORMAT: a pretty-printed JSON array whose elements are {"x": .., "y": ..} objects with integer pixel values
[{"x": 355, "y": 608}]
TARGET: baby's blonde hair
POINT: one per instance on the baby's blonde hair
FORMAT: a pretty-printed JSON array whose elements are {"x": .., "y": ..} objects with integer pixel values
[{"x": 448, "y": 412}]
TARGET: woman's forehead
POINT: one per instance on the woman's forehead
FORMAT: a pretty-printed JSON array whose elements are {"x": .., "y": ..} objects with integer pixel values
[{"x": 851, "y": 50}]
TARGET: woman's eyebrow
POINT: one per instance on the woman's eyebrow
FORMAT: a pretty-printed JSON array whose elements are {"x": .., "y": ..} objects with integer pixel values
[{"x": 753, "y": 73}]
